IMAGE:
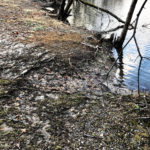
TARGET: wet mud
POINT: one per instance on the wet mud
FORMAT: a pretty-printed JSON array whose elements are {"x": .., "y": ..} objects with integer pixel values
[{"x": 53, "y": 88}]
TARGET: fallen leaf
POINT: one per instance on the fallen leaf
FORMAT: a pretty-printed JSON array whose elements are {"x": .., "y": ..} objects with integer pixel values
[
  {"x": 24, "y": 130},
  {"x": 17, "y": 99}
]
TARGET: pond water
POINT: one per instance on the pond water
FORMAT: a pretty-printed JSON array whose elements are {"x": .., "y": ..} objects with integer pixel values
[{"x": 128, "y": 74}]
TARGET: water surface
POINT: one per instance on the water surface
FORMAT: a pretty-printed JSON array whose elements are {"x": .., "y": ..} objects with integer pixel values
[{"x": 95, "y": 20}]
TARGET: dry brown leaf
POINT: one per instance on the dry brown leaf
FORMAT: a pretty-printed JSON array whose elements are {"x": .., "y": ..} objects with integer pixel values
[{"x": 24, "y": 130}]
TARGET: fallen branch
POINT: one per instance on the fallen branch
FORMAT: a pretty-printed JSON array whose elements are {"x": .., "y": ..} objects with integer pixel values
[
  {"x": 53, "y": 15},
  {"x": 36, "y": 65},
  {"x": 90, "y": 45},
  {"x": 144, "y": 118}
]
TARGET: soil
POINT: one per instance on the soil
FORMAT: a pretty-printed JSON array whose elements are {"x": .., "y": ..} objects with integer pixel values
[{"x": 53, "y": 88}]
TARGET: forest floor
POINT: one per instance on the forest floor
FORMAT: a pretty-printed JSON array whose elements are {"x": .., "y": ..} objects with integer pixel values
[{"x": 53, "y": 89}]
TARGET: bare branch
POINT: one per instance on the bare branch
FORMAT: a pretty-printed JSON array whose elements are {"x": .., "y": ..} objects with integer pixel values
[
  {"x": 107, "y": 74},
  {"x": 112, "y": 30},
  {"x": 146, "y": 25},
  {"x": 136, "y": 23},
  {"x": 137, "y": 46},
  {"x": 102, "y": 9}
]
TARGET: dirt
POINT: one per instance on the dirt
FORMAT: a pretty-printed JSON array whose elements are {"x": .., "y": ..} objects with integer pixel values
[{"x": 53, "y": 88}]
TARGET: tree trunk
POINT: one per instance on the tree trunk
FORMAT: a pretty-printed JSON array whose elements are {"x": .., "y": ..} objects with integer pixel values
[
  {"x": 61, "y": 10},
  {"x": 121, "y": 39},
  {"x": 67, "y": 9},
  {"x": 64, "y": 10}
]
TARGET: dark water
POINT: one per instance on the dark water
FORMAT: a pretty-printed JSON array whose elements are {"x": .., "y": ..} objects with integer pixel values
[{"x": 128, "y": 74}]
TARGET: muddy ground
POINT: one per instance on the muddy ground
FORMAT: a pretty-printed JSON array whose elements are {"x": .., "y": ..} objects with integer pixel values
[{"x": 53, "y": 88}]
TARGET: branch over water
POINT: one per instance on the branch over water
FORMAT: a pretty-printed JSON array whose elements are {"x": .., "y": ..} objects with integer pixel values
[{"x": 102, "y": 9}]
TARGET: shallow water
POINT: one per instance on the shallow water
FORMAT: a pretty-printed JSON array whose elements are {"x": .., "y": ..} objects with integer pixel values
[{"x": 91, "y": 19}]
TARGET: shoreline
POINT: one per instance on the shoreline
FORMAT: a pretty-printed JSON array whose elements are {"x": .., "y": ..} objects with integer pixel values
[{"x": 52, "y": 94}]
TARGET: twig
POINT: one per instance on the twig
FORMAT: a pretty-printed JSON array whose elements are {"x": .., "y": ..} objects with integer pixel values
[
  {"x": 107, "y": 74},
  {"x": 90, "y": 45},
  {"x": 111, "y": 30},
  {"x": 144, "y": 118},
  {"x": 70, "y": 62},
  {"x": 137, "y": 46},
  {"x": 101, "y": 9},
  {"x": 146, "y": 57}
]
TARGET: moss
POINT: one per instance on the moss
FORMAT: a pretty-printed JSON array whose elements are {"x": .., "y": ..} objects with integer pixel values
[
  {"x": 2, "y": 113},
  {"x": 2, "y": 93},
  {"x": 65, "y": 101},
  {"x": 1, "y": 121},
  {"x": 5, "y": 82},
  {"x": 58, "y": 147},
  {"x": 31, "y": 147},
  {"x": 3, "y": 146}
]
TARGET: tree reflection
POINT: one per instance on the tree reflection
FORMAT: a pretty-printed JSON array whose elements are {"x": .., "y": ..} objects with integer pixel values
[
  {"x": 121, "y": 67},
  {"x": 138, "y": 79}
]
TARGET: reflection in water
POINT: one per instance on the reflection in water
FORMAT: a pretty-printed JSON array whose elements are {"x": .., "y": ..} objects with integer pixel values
[
  {"x": 128, "y": 71},
  {"x": 93, "y": 19},
  {"x": 121, "y": 67},
  {"x": 138, "y": 80}
]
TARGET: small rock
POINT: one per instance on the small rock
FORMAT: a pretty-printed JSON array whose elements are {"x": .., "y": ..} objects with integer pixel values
[
  {"x": 30, "y": 45},
  {"x": 40, "y": 97},
  {"x": 49, "y": 8},
  {"x": 5, "y": 128},
  {"x": 20, "y": 45},
  {"x": 53, "y": 96}
]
